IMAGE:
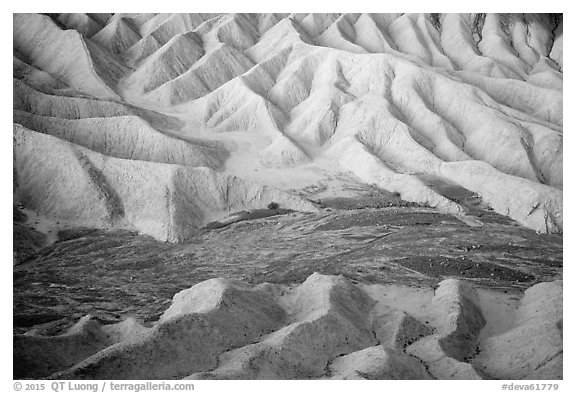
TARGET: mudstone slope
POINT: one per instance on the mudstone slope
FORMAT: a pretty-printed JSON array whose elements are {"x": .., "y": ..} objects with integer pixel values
[{"x": 170, "y": 125}]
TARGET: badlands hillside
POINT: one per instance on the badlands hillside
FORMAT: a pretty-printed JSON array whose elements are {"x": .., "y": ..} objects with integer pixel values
[{"x": 373, "y": 196}]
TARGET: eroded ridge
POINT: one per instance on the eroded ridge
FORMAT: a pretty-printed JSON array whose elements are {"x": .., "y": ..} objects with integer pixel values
[
  {"x": 272, "y": 146},
  {"x": 470, "y": 99},
  {"x": 326, "y": 327}
]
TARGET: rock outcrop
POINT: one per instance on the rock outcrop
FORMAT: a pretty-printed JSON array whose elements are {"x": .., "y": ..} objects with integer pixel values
[
  {"x": 326, "y": 327},
  {"x": 474, "y": 99}
]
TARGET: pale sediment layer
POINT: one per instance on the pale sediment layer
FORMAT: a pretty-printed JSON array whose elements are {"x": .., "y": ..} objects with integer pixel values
[{"x": 472, "y": 99}]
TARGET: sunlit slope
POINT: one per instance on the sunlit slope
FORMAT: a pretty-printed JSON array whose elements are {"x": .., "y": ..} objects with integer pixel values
[{"x": 473, "y": 99}]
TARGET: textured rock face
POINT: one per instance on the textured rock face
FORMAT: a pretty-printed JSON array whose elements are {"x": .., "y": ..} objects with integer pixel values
[
  {"x": 532, "y": 349},
  {"x": 178, "y": 125},
  {"x": 457, "y": 322},
  {"x": 473, "y": 99},
  {"x": 167, "y": 201},
  {"x": 326, "y": 327}
]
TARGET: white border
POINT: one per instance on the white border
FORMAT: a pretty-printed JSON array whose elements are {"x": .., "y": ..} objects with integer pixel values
[{"x": 6, "y": 383}]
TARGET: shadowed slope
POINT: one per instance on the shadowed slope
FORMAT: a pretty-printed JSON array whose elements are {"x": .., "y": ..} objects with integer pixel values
[{"x": 325, "y": 327}]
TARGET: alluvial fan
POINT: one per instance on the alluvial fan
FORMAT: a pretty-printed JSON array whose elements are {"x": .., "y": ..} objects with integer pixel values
[{"x": 175, "y": 125}]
